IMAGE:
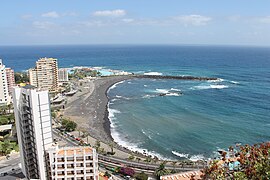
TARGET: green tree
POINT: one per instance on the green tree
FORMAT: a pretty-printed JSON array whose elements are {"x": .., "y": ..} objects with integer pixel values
[
  {"x": 131, "y": 157},
  {"x": 69, "y": 125},
  {"x": 161, "y": 170},
  {"x": 141, "y": 176},
  {"x": 112, "y": 146},
  {"x": 254, "y": 163},
  {"x": 97, "y": 145},
  {"x": 6, "y": 147}
]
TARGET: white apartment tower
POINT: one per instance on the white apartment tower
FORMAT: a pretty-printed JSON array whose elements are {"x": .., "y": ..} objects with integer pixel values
[
  {"x": 62, "y": 75},
  {"x": 34, "y": 130},
  {"x": 45, "y": 75},
  {"x": 4, "y": 94},
  {"x": 72, "y": 163},
  {"x": 10, "y": 80}
]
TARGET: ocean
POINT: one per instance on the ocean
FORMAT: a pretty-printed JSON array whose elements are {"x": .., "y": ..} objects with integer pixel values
[{"x": 193, "y": 124}]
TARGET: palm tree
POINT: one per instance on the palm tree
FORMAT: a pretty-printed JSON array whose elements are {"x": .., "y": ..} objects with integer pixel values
[
  {"x": 97, "y": 145},
  {"x": 138, "y": 159},
  {"x": 161, "y": 171},
  {"x": 111, "y": 146},
  {"x": 173, "y": 164}
]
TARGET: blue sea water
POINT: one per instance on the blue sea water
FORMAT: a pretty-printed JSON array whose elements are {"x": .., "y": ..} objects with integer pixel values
[{"x": 209, "y": 115}]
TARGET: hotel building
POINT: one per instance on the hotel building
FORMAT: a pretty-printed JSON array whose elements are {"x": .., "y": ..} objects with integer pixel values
[
  {"x": 72, "y": 163},
  {"x": 4, "y": 94},
  {"x": 40, "y": 157},
  {"x": 34, "y": 130},
  {"x": 62, "y": 75},
  {"x": 10, "y": 80},
  {"x": 45, "y": 75}
]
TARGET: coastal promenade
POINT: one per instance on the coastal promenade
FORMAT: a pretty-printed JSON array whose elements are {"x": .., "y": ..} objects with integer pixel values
[{"x": 112, "y": 161}]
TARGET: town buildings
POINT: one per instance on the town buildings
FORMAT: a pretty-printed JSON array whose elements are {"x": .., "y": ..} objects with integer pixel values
[
  {"x": 45, "y": 75},
  {"x": 62, "y": 75},
  {"x": 40, "y": 156},
  {"x": 34, "y": 130},
  {"x": 4, "y": 88},
  {"x": 72, "y": 163},
  {"x": 10, "y": 80}
]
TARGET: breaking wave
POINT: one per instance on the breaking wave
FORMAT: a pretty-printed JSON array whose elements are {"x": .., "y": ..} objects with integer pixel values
[{"x": 153, "y": 73}]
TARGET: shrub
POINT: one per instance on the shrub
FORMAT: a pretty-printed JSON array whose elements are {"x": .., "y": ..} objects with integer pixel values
[
  {"x": 69, "y": 125},
  {"x": 127, "y": 171}
]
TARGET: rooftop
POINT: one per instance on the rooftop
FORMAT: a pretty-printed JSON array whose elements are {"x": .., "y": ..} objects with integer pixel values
[
  {"x": 182, "y": 176},
  {"x": 75, "y": 150}
]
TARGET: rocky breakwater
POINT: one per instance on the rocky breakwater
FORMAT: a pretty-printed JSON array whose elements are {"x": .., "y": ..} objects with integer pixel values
[{"x": 191, "y": 78}]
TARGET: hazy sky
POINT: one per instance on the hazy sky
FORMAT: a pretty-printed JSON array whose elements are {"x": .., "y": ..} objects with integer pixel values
[{"x": 227, "y": 22}]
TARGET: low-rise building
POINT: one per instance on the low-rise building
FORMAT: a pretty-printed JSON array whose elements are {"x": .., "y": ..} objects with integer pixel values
[{"x": 72, "y": 163}]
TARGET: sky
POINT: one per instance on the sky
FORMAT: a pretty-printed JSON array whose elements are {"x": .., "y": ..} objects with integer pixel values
[{"x": 227, "y": 22}]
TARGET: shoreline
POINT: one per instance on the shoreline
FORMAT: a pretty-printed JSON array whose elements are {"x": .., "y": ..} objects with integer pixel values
[{"x": 89, "y": 109}]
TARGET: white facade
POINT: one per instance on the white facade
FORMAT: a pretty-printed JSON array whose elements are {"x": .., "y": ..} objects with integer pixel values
[
  {"x": 72, "y": 163},
  {"x": 4, "y": 94},
  {"x": 34, "y": 130},
  {"x": 62, "y": 75}
]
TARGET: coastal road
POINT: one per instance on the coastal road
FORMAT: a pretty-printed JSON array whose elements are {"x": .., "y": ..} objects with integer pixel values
[{"x": 117, "y": 162}]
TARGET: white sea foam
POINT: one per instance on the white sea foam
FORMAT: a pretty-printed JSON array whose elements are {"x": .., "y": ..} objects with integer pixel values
[
  {"x": 112, "y": 112},
  {"x": 209, "y": 87},
  {"x": 118, "y": 138},
  {"x": 149, "y": 96},
  {"x": 173, "y": 89},
  {"x": 145, "y": 85},
  {"x": 180, "y": 154},
  {"x": 153, "y": 73},
  {"x": 118, "y": 96},
  {"x": 218, "y": 80},
  {"x": 234, "y": 82},
  {"x": 148, "y": 134},
  {"x": 115, "y": 85},
  {"x": 195, "y": 158},
  {"x": 172, "y": 94},
  {"x": 162, "y": 90}
]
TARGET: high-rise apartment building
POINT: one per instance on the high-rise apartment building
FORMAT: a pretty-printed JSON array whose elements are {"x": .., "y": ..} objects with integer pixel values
[
  {"x": 34, "y": 130},
  {"x": 32, "y": 73},
  {"x": 62, "y": 75},
  {"x": 45, "y": 75},
  {"x": 72, "y": 163},
  {"x": 40, "y": 157},
  {"x": 10, "y": 80},
  {"x": 4, "y": 94}
]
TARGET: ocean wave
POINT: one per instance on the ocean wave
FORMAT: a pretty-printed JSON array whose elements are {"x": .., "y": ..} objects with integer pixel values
[
  {"x": 167, "y": 92},
  {"x": 172, "y": 94},
  {"x": 115, "y": 85},
  {"x": 234, "y": 82},
  {"x": 118, "y": 138},
  {"x": 193, "y": 158},
  {"x": 212, "y": 86},
  {"x": 121, "y": 97},
  {"x": 217, "y": 80},
  {"x": 147, "y": 134},
  {"x": 149, "y": 96},
  {"x": 153, "y": 73},
  {"x": 112, "y": 112},
  {"x": 198, "y": 157},
  {"x": 145, "y": 85},
  {"x": 162, "y": 90},
  {"x": 174, "y": 89},
  {"x": 182, "y": 155}
]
